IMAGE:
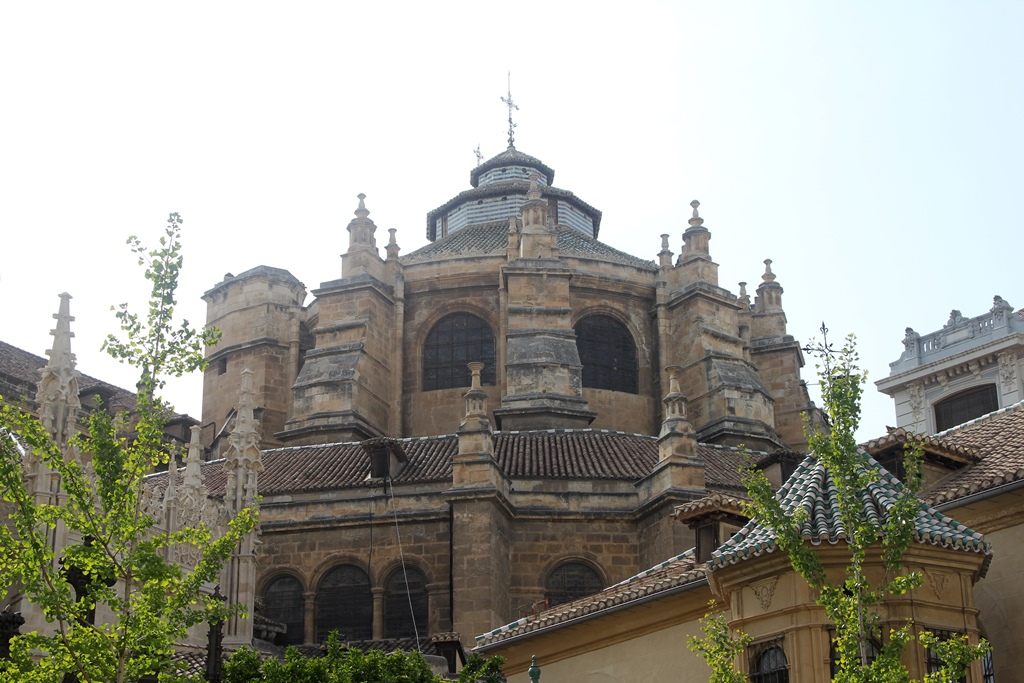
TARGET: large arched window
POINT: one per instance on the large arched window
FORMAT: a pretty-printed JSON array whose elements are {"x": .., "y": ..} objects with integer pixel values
[
  {"x": 401, "y": 597},
  {"x": 570, "y": 581},
  {"x": 768, "y": 664},
  {"x": 607, "y": 353},
  {"x": 283, "y": 602},
  {"x": 456, "y": 340},
  {"x": 344, "y": 604},
  {"x": 965, "y": 406}
]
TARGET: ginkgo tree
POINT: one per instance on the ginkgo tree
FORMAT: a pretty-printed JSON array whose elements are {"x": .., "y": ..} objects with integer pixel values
[
  {"x": 853, "y": 602},
  {"x": 114, "y": 600}
]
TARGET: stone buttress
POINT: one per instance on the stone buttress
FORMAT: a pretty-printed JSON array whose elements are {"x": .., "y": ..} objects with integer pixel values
[
  {"x": 699, "y": 331},
  {"x": 544, "y": 387},
  {"x": 344, "y": 391}
]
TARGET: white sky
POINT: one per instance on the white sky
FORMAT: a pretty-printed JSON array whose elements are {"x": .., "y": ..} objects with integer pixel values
[{"x": 873, "y": 150}]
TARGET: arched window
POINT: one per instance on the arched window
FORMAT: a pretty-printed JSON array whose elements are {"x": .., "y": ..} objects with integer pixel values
[
  {"x": 607, "y": 353},
  {"x": 570, "y": 581},
  {"x": 283, "y": 602},
  {"x": 398, "y": 622},
  {"x": 456, "y": 340},
  {"x": 768, "y": 664},
  {"x": 344, "y": 604},
  {"x": 965, "y": 406}
]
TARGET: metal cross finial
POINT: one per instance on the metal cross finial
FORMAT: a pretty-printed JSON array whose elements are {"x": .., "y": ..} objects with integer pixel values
[
  {"x": 479, "y": 155},
  {"x": 511, "y": 105}
]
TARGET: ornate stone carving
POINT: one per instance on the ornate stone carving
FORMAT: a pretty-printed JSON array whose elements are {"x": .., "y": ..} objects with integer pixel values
[
  {"x": 765, "y": 591},
  {"x": 938, "y": 582},
  {"x": 915, "y": 391},
  {"x": 1000, "y": 309},
  {"x": 1008, "y": 369},
  {"x": 910, "y": 341}
]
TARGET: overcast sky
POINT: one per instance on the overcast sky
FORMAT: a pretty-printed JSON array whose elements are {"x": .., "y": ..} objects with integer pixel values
[{"x": 873, "y": 150}]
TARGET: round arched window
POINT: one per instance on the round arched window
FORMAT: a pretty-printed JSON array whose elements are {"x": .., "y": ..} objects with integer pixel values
[
  {"x": 607, "y": 353},
  {"x": 283, "y": 602},
  {"x": 769, "y": 665},
  {"x": 455, "y": 341},
  {"x": 406, "y": 603},
  {"x": 344, "y": 604},
  {"x": 570, "y": 581}
]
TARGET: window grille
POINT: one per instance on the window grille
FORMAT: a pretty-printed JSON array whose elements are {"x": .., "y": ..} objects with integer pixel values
[
  {"x": 397, "y": 621},
  {"x": 571, "y": 581},
  {"x": 284, "y": 602},
  {"x": 344, "y": 604},
  {"x": 607, "y": 354},
  {"x": 768, "y": 663},
  {"x": 965, "y": 406},
  {"x": 455, "y": 341},
  {"x": 874, "y": 649},
  {"x": 932, "y": 658},
  {"x": 988, "y": 670}
]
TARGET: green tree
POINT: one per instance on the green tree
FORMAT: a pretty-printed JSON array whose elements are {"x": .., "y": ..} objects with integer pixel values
[
  {"x": 853, "y": 604},
  {"x": 118, "y": 556},
  {"x": 342, "y": 665}
]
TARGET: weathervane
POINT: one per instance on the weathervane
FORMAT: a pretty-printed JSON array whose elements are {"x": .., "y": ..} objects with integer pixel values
[
  {"x": 511, "y": 105},
  {"x": 479, "y": 155}
]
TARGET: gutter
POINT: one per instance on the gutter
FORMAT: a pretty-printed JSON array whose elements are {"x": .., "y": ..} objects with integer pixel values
[
  {"x": 981, "y": 495},
  {"x": 593, "y": 615}
]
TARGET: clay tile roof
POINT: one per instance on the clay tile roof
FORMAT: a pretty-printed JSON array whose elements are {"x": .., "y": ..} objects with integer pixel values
[
  {"x": 941, "y": 447},
  {"x": 336, "y": 466},
  {"x": 680, "y": 572},
  {"x": 999, "y": 437},
  {"x": 811, "y": 490},
  {"x": 23, "y": 367},
  {"x": 716, "y": 502},
  {"x": 571, "y": 454},
  {"x": 491, "y": 239},
  {"x": 547, "y": 454}
]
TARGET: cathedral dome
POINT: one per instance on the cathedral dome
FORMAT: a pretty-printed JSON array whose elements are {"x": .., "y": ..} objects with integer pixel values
[
  {"x": 511, "y": 165},
  {"x": 499, "y": 189}
]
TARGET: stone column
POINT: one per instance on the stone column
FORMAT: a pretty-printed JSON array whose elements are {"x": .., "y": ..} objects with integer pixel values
[
  {"x": 378, "y": 612},
  {"x": 309, "y": 618}
]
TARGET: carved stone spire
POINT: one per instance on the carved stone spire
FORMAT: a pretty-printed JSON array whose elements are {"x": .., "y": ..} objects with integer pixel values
[
  {"x": 193, "y": 476},
  {"x": 392, "y": 247},
  {"x": 243, "y": 461},
  {"x": 696, "y": 237},
  {"x": 769, "y": 292},
  {"x": 665, "y": 255},
  {"x": 476, "y": 402},
  {"x": 171, "y": 500},
  {"x": 362, "y": 257},
  {"x": 57, "y": 390},
  {"x": 677, "y": 435}
]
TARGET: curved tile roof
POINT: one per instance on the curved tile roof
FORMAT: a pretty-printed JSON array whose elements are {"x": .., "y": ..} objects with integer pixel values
[
  {"x": 25, "y": 367},
  {"x": 716, "y": 502},
  {"x": 999, "y": 437},
  {"x": 677, "y": 572},
  {"x": 491, "y": 239},
  {"x": 556, "y": 454},
  {"x": 811, "y": 490}
]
